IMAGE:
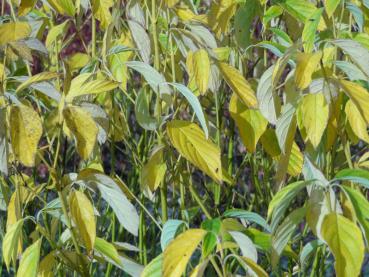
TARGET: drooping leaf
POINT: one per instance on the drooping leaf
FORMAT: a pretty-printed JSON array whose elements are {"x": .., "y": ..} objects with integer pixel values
[
  {"x": 29, "y": 262},
  {"x": 142, "y": 112},
  {"x": 190, "y": 142},
  {"x": 10, "y": 242},
  {"x": 107, "y": 250},
  {"x": 357, "y": 122},
  {"x": 82, "y": 213},
  {"x": 310, "y": 28},
  {"x": 359, "y": 96},
  {"x": 101, "y": 11},
  {"x": 250, "y": 122},
  {"x": 154, "y": 170},
  {"x": 75, "y": 117},
  {"x": 346, "y": 243},
  {"x": 26, "y": 131},
  {"x": 179, "y": 251},
  {"x": 315, "y": 113},
  {"x": 43, "y": 76},
  {"x": 201, "y": 67},
  {"x": 356, "y": 175},
  {"x": 307, "y": 63},
  {"x": 239, "y": 85},
  {"x": 246, "y": 245},
  {"x": 249, "y": 216}
]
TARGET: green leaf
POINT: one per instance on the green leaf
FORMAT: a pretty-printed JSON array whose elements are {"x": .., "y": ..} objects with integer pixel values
[
  {"x": 29, "y": 263},
  {"x": 269, "y": 102},
  {"x": 357, "y": 175},
  {"x": 154, "y": 268},
  {"x": 195, "y": 104},
  {"x": 308, "y": 250},
  {"x": 155, "y": 80},
  {"x": 247, "y": 247},
  {"x": 43, "y": 76},
  {"x": 142, "y": 112},
  {"x": 358, "y": 53},
  {"x": 190, "y": 142},
  {"x": 310, "y": 28},
  {"x": 283, "y": 233},
  {"x": 346, "y": 243},
  {"x": 170, "y": 229},
  {"x": 56, "y": 32},
  {"x": 153, "y": 172},
  {"x": 249, "y": 216},
  {"x": 117, "y": 200},
  {"x": 179, "y": 251},
  {"x": 107, "y": 250}
]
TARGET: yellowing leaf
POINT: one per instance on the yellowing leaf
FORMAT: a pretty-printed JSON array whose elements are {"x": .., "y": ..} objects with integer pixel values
[
  {"x": 220, "y": 14},
  {"x": 43, "y": 76},
  {"x": 29, "y": 262},
  {"x": 26, "y": 6},
  {"x": 46, "y": 266},
  {"x": 310, "y": 28},
  {"x": 359, "y": 96},
  {"x": 258, "y": 270},
  {"x": 315, "y": 113},
  {"x": 171, "y": 3},
  {"x": 26, "y": 131},
  {"x": 101, "y": 11},
  {"x": 296, "y": 161},
  {"x": 345, "y": 240},
  {"x": 82, "y": 213},
  {"x": 10, "y": 242},
  {"x": 179, "y": 251},
  {"x": 201, "y": 67},
  {"x": 239, "y": 85},
  {"x": 307, "y": 63},
  {"x": 78, "y": 60},
  {"x": 190, "y": 142},
  {"x": 251, "y": 123},
  {"x": 14, "y": 31},
  {"x": 64, "y": 7},
  {"x": 83, "y": 127},
  {"x": 330, "y": 6},
  {"x": 56, "y": 32},
  {"x": 357, "y": 123},
  {"x": 154, "y": 170},
  {"x": 80, "y": 86}
]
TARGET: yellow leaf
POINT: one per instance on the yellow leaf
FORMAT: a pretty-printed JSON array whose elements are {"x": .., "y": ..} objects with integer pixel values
[
  {"x": 201, "y": 66},
  {"x": 190, "y": 142},
  {"x": 14, "y": 31},
  {"x": 345, "y": 240},
  {"x": 154, "y": 170},
  {"x": 11, "y": 241},
  {"x": 29, "y": 262},
  {"x": 359, "y": 96},
  {"x": 82, "y": 213},
  {"x": 83, "y": 127},
  {"x": 307, "y": 63},
  {"x": 260, "y": 272},
  {"x": 251, "y": 123},
  {"x": 220, "y": 14},
  {"x": 26, "y": 131},
  {"x": 56, "y": 32},
  {"x": 296, "y": 161},
  {"x": 101, "y": 11},
  {"x": 179, "y": 251},
  {"x": 357, "y": 122},
  {"x": 315, "y": 113},
  {"x": 239, "y": 85}
]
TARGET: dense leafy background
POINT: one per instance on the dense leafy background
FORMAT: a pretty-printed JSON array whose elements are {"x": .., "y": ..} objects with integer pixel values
[{"x": 184, "y": 137}]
